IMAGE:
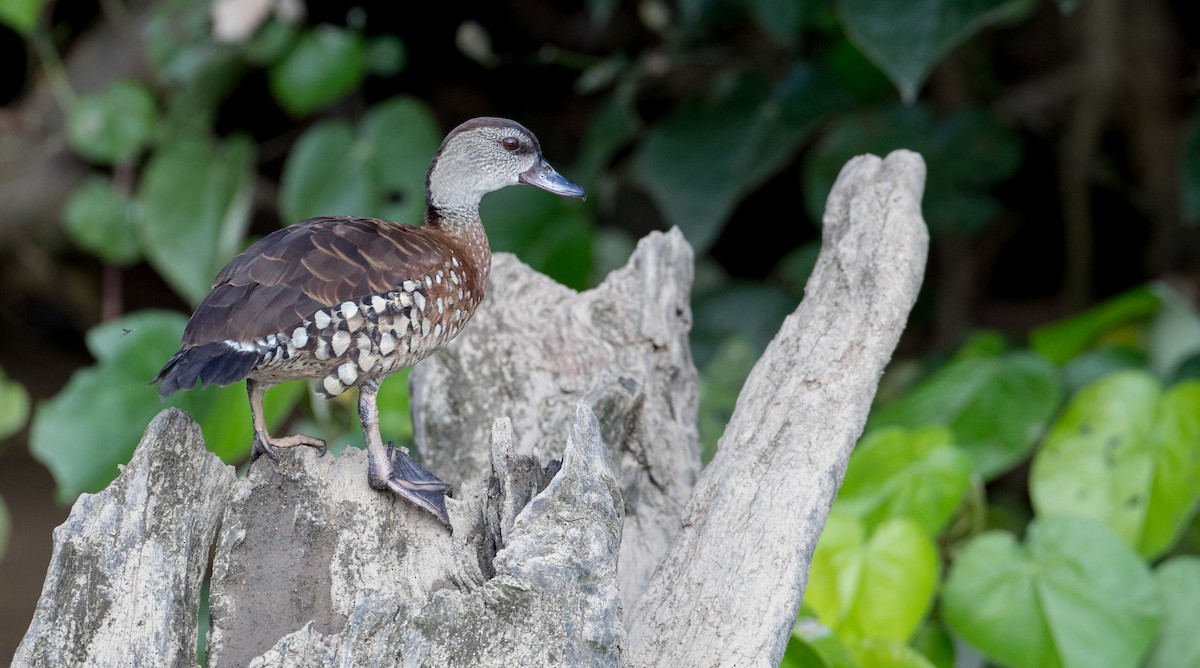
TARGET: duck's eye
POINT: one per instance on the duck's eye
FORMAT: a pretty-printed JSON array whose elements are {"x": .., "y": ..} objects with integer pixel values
[{"x": 510, "y": 143}]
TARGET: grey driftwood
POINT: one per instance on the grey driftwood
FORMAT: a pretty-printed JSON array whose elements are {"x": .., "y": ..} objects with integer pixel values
[{"x": 627, "y": 554}]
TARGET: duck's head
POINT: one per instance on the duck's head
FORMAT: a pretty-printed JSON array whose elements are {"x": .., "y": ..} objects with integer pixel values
[{"x": 486, "y": 154}]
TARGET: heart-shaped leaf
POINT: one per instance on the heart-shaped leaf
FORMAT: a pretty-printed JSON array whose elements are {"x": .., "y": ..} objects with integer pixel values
[
  {"x": 1127, "y": 454},
  {"x": 1074, "y": 595},
  {"x": 900, "y": 473},
  {"x": 879, "y": 586}
]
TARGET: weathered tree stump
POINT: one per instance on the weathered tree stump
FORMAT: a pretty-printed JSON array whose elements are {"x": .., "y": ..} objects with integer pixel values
[{"x": 627, "y": 554}]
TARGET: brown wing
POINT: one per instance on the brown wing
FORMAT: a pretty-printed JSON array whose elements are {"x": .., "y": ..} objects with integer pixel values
[{"x": 289, "y": 274}]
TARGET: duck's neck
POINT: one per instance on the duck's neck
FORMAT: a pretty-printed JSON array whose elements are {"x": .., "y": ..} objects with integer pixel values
[{"x": 465, "y": 226}]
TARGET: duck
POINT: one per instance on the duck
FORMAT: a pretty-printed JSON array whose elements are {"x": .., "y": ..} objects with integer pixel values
[{"x": 345, "y": 301}]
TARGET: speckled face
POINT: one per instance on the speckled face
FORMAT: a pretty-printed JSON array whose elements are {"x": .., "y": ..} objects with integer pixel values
[{"x": 374, "y": 336}]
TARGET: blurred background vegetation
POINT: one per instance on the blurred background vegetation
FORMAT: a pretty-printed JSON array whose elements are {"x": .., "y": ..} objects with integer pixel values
[{"x": 1025, "y": 491}]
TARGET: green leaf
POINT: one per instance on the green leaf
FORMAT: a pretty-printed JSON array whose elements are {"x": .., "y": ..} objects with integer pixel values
[
  {"x": 549, "y": 233},
  {"x": 899, "y": 473},
  {"x": 1189, "y": 172},
  {"x": 1092, "y": 365},
  {"x": 967, "y": 154},
  {"x": 386, "y": 55},
  {"x": 1173, "y": 334},
  {"x": 402, "y": 136},
  {"x": 21, "y": 16},
  {"x": 721, "y": 381},
  {"x": 1068, "y": 6},
  {"x": 996, "y": 407},
  {"x": 14, "y": 406},
  {"x": 90, "y": 427},
  {"x": 1061, "y": 341},
  {"x": 1178, "y": 581},
  {"x": 936, "y": 645},
  {"x": 1073, "y": 595},
  {"x": 195, "y": 200},
  {"x": 326, "y": 63},
  {"x": 114, "y": 125},
  {"x": 907, "y": 39},
  {"x": 879, "y": 587},
  {"x": 1126, "y": 454},
  {"x": 887, "y": 653},
  {"x": 327, "y": 174},
  {"x": 5, "y": 527},
  {"x": 700, "y": 161},
  {"x": 101, "y": 220}
]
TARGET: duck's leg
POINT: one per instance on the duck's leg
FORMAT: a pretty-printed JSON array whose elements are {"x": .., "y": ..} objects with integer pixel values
[
  {"x": 264, "y": 443},
  {"x": 391, "y": 468}
]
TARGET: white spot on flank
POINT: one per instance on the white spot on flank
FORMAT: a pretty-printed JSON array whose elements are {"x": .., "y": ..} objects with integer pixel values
[
  {"x": 405, "y": 299},
  {"x": 349, "y": 310},
  {"x": 300, "y": 337},
  {"x": 454, "y": 277},
  {"x": 454, "y": 260},
  {"x": 457, "y": 314},
  {"x": 322, "y": 351},
  {"x": 441, "y": 305},
  {"x": 379, "y": 304},
  {"x": 419, "y": 300},
  {"x": 425, "y": 327},
  {"x": 428, "y": 282},
  {"x": 387, "y": 343},
  {"x": 401, "y": 325},
  {"x": 347, "y": 373},
  {"x": 321, "y": 319},
  {"x": 332, "y": 386},
  {"x": 437, "y": 331},
  {"x": 439, "y": 277},
  {"x": 340, "y": 343},
  {"x": 409, "y": 286},
  {"x": 367, "y": 360}
]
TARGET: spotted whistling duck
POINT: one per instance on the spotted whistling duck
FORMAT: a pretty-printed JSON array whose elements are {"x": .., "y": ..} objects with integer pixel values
[{"x": 348, "y": 301}]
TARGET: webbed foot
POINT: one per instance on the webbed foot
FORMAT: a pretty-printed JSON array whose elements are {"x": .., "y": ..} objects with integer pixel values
[{"x": 411, "y": 481}]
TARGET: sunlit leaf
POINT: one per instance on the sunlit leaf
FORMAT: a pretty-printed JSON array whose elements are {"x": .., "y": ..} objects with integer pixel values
[
  {"x": 907, "y": 39},
  {"x": 1127, "y": 454},
  {"x": 113, "y": 125},
  {"x": 1072, "y": 595},
  {"x": 325, "y": 64},
  {"x": 996, "y": 407},
  {"x": 195, "y": 200},
  {"x": 894, "y": 472},
  {"x": 877, "y": 586},
  {"x": 1178, "y": 643},
  {"x": 887, "y": 653},
  {"x": 101, "y": 221}
]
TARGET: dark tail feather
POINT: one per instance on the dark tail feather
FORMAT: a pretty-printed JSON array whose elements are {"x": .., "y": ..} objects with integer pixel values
[{"x": 210, "y": 364}]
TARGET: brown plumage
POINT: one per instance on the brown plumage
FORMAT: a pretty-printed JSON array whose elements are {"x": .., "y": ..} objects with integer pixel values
[{"x": 350, "y": 300}]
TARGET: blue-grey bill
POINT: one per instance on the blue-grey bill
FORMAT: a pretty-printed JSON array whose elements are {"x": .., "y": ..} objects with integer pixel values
[{"x": 543, "y": 176}]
